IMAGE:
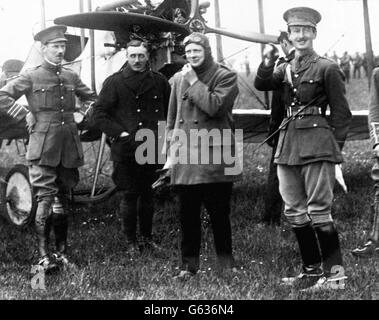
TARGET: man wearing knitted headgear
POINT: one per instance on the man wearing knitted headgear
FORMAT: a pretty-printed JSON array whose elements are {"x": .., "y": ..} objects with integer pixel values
[
  {"x": 201, "y": 102},
  {"x": 309, "y": 148}
]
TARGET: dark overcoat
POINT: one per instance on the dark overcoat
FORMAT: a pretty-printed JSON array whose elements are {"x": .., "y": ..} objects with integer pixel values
[
  {"x": 310, "y": 138},
  {"x": 129, "y": 102}
]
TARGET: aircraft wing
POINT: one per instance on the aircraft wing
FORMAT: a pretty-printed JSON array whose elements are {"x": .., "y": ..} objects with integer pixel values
[{"x": 255, "y": 123}]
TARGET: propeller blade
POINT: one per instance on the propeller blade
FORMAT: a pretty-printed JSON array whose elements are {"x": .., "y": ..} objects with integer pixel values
[
  {"x": 120, "y": 21},
  {"x": 245, "y": 35}
]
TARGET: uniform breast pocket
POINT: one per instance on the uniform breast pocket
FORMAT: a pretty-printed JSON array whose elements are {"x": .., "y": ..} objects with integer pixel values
[
  {"x": 37, "y": 140},
  {"x": 39, "y": 95},
  {"x": 315, "y": 139},
  {"x": 70, "y": 95},
  {"x": 309, "y": 88}
]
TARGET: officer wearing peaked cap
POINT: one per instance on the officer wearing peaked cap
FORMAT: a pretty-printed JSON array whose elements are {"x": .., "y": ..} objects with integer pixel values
[
  {"x": 54, "y": 151},
  {"x": 309, "y": 147},
  {"x": 51, "y": 35}
]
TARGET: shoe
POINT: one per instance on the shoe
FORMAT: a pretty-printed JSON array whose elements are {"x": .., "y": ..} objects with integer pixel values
[
  {"x": 132, "y": 249},
  {"x": 163, "y": 180},
  {"x": 335, "y": 282},
  {"x": 301, "y": 281},
  {"x": 61, "y": 259},
  {"x": 49, "y": 267},
  {"x": 368, "y": 249},
  {"x": 184, "y": 275},
  {"x": 150, "y": 244}
]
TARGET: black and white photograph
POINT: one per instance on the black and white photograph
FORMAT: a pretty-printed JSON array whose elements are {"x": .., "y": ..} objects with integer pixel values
[{"x": 192, "y": 156}]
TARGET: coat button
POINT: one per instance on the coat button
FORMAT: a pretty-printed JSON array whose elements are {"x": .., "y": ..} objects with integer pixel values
[
  {"x": 61, "y": 84},
  {"x": 62, "y": 110},
  {"x": 155, "y": 97},
  {"x": 294, "y": 90},
  {"x": 62, "y": 98},
  {"x": 156, "y": 110},
  {"x": 140, "y": 124},
  {"x": 315, "y": 124},
  {"x": 137, "y": 97},
  {"x": 58, "y": 72},
  {"x": 195, "y": 121},
  {"x": 43, "y": 90},
  {"x": 296, "y": 75},
  {"x": 310, "y": 81},
  {"x": 62, "y": 122},
  {"x": 181, "y": 121},
  {"x": 293, "y": 103},
  {"x": 138, "y": 110}
]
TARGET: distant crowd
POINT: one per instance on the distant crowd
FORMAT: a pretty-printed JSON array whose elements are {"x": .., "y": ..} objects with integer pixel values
[{"x": 355, "y": 62}]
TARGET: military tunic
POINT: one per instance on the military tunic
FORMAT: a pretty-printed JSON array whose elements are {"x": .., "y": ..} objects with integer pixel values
[
  {"x": 50, "y": 91},
  {"x": 310, "y": 138}
]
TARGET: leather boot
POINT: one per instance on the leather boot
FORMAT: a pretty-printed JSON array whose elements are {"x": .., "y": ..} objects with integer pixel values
[
  {"x": 42, "y": 226},
  {"x": 60, "y": 223},
  {"x": 330, "y": 248},
  {"x": 374, "y": 235},
  {"x": 308, "y": 245}
]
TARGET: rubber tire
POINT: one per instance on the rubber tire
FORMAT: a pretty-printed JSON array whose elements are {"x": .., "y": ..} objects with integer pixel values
[{"x": 30, "y": 211}]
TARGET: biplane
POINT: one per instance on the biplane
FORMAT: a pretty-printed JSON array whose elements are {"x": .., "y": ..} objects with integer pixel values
[{"x": 164, "y": 26}]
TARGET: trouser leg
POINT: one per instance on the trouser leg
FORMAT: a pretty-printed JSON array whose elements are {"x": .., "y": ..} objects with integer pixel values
[
  {"x": 320, "y": 180},
  {"x": 273, "y": 199},
  {"x": 189, "y": 211},
  {"x": 292, "y": 188},
  {"x": 217, "y": 202},
  {"x": 374, "y": 234},
  {"x": 128, "y": 209},
  {"x": 145, "y": 213}
]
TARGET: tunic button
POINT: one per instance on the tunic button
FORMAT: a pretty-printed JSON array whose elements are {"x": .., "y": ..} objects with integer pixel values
[
  {"x": 294, "y": 90},
  {"x": 310, "y": 81},
  {"x": 62, "y": 122},
  {"x": 296, "y": 75},
  {"x": 58, "y": 72},
  {"x": 43, "y": 90},
  {"x": 62, "y": 110},
  {"x": 138, "y": 110},
  {"x": 155, "y": 97},
  {"x": 61, "y": 84},
  {"x": 62, "y": 98},
  {"x": 137, "y": 97},
  {"x": 315, "y": 124},
  {"x": 293, "y": 103},
  {"x": 196, "y": 122},
  {"x": 140, "y": 124},
  {"x": 181, "y": 121},
  {"x": 156, "y": 110}
]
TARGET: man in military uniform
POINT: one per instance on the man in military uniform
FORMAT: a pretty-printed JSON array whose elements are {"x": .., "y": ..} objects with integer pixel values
[
  {"x": 309, "y": 148},
  {"x": 372, "y": 245},
  {"x": 132, "y": 99},
  {"x": 273, "y": 200},
  {"x": 54, "y": 151}
]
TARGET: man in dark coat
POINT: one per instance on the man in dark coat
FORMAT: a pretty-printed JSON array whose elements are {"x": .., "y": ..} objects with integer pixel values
[
  {"x": 131, "y": 100},
  {"x": 54, "y": 151},
  {"x": 273, "y": 200},
  {"x": 309, "y": 148}
]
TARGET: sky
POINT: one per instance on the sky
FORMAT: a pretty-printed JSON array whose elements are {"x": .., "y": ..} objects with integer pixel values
[{"x": 341, "y": 28}]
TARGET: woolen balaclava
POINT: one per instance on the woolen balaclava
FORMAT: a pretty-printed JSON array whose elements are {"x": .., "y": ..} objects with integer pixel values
[{"x": 202, "y": 40}]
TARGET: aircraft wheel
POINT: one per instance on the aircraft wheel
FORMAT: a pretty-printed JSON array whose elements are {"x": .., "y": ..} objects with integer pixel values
[{"x": 20, "y": 205}]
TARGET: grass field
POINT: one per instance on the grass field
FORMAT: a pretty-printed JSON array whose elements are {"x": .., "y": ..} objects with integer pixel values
[{"x": 104, "y": 271}]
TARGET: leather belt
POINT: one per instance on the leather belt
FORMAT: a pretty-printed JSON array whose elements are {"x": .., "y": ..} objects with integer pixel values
[
  {"x": 308, "y": 111},
  {"x": 55, "y": 117}
]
